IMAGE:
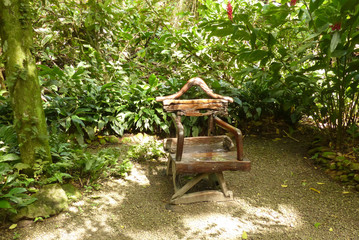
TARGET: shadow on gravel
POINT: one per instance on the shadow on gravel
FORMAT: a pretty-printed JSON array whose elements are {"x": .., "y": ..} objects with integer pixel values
[{"x": 275, "y": 200}]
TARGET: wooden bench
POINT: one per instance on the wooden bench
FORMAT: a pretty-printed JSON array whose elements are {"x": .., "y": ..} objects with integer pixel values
[{"x": 205, "y": 156}]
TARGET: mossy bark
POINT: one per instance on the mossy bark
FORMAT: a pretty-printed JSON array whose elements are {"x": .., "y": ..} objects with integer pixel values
[{"x": 22, "y": 81}]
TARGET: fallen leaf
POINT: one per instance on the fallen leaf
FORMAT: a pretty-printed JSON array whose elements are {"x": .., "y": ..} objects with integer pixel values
[
  {"x": 331, "y": 230},
  {"x": 315, "y": 190},
  {"x": 284, "y": 186},
  {"x": 320, "y": 183},
  {"x": 95, "y": 197},
  {"x": 13, "y": 226},
  {"x": 277, "y": 139},
  {"x": 244, "y": 235},
  {"x": 345, "y": 192}
]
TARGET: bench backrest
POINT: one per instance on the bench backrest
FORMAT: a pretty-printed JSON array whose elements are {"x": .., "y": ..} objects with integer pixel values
[{"x": 196, "y": 107}]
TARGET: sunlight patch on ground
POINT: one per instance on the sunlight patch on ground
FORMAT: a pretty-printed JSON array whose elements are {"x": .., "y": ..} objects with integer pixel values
[
  {"x": 100, "y": 205},
  {"x": 244, "y": 217},
  {"x": 219, "y": 226},
  {"x": 138, "y": 176},
  {"x": 264, "y": 217},
  {"x": 139, "y": 138}
]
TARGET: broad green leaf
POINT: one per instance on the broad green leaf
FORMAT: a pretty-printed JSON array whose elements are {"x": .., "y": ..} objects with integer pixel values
[
  {"x": 107, "y": 85},
  {"x": 5, "y": 168},
  {"x": 101, "y": 124},
  {"x": 152, "y": 80},
  {"x": 269, "y": 100},
  {"x": 334, "y": 42},
  {"x": 77, "y": 120},
  {"x": 195, "y": 131},
  {"x": 313, "y": 35},
  {"x": 9, "y": 157},
  {"x": 242, "y": 35},
  {"x": 21, "y": 166},
  {"x": 46, "y": 39},
  {"x": 216, "y": 85},
  {"x": 305, "y": 46},
  {"x": 90, "y": 132},
  {"x": 257, "y": 55},
  {"x": 314, "y": 4},
  {"x": 238, "y": 101},
  {"x": 222, "y": 32},
  {"x": 4, "y": 204},
  {"x": 339, "y": 53},
  {"x": 13, "y": 192}
]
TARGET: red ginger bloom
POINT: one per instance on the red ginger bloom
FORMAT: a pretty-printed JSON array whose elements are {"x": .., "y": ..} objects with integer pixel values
[
  {"x": 230, "y": 11},
  {"x": 293, "y": 2},
  {"x": 336, "y": 26}
]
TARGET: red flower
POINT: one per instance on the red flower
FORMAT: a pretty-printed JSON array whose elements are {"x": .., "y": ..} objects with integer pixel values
[
  {"x": 293, "y": 2},
  {"x": 336, "y": 26},
  {"x": 230, "y": 11}
]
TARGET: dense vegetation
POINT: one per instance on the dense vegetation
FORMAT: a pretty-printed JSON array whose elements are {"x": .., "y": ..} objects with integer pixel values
[{"x": 102, "y": 63}]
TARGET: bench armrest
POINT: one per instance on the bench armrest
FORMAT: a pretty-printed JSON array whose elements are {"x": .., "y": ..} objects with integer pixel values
[{"x": 237, "y": 134}]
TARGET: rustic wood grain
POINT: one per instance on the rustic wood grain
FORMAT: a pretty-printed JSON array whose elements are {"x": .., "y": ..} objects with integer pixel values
[{"x": 196, "y": 81}]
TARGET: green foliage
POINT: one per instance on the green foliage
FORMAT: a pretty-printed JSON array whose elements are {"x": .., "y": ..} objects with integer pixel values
[
  {"x": 12, "y": 182},
  {"x": 102, "y": 63},
  {"x": 147, "y": 151},
  {"x": 71, "y": 161},
  {"x": 5, "y": 108},
  {"x": 83, "y": 108},
  {"x": 139, "y": 111}
]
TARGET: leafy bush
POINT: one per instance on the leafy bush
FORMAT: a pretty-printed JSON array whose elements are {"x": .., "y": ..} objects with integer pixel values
[
  {"x": 71, "y": 161},
  {"x": 13, "y": 183},
  {"x": 5, "y": 108},
  {"x": 147, "y": 151}
]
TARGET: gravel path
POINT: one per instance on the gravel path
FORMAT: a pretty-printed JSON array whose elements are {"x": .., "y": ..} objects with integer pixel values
[{"x": 283, "y": 197}]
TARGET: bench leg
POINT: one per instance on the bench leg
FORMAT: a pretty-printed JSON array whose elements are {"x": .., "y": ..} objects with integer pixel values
[
  {"x": 169, "y": 167},
  {"x": 188, "y": 185},
  {"x": 223, "y": 185},
  {"x": 182, "y": 197}
]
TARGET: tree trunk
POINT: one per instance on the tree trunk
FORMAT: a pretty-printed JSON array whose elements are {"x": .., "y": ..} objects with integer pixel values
[{"x": 22, "y": 81}]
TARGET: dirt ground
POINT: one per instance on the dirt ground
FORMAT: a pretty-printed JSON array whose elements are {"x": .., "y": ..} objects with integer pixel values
[{"x": 283, "y": 197}]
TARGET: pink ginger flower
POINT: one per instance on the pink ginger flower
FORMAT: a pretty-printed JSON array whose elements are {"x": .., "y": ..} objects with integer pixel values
[
  {"x": 230, "y": 11},
  {"x": 293, "y": 2},
  {"x": 336, "y": 26}
]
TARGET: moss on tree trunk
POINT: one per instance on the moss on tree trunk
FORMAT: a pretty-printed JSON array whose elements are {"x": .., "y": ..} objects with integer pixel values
[{"x": 22, "y": 81}]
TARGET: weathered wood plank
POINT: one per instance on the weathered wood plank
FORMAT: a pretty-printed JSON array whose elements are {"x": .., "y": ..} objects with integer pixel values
[
  {"x": 218, "y": 156},
  {"x": 213, "y": 145},
  {"x": 189, "y": 185},
  {"x": 193, "y": 101},
  {"x": 222, "y": 184},
  {"x": 212, "y": 167},
  {"x": 194, "y": 106},
  {"x": 196, "y": 81},
  {"x": 202, "y": 140}
]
